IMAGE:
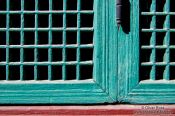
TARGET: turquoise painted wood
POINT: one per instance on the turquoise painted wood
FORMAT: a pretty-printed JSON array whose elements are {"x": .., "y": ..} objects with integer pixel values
[
  {"x": 117, "y": 60},
  {"x": 132, "y": 86},
  {"x": 102, "y": 88}
]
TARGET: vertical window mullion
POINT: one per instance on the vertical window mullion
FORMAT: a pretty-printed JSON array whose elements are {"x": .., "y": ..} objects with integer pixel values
[
  {"x": 64, "y": 40},
  {"x": 153, "y": 54},
  {"x": 50, "y": 42},
  {"x": 78, "y": 40},
  {"x": 36, "y": 42},
  {"x": 7, "y": 38},
  {"x": 22, "y": 42},
  {"x": 166, "y": 75}
]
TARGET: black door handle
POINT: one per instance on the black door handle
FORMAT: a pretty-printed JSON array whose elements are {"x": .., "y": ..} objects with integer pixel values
[{"x": 119, "y": 12}]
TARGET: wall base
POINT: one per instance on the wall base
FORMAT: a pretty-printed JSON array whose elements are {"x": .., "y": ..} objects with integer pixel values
[{"x": 89, "y": 110}]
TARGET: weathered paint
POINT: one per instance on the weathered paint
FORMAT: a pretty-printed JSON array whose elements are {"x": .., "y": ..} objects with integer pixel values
[
  {"x": 100, "y": 89},
  {"x": 116, "y": 70},
  {"x": 130, "y": 89}
]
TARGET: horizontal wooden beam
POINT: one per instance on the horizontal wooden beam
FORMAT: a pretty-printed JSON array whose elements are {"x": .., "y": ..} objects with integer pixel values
[{"x": 88, "y": 110}]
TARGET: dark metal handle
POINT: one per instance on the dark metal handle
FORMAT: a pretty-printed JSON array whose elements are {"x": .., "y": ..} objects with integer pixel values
[{"x": 118, "y": 12}]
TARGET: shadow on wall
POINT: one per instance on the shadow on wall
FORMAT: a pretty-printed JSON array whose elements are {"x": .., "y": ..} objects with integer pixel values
[{"x": 126, "y": 16}]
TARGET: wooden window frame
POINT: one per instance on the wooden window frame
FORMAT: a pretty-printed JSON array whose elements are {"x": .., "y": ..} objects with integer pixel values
[
  {"x": 101, "y": 89},
  {"x": 130, "y": 89}
]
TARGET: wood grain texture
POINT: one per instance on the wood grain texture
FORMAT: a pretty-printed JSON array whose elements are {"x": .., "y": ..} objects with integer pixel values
[
  {"x": 100, "y": 89},
  {"x": 130, "y": 90}
]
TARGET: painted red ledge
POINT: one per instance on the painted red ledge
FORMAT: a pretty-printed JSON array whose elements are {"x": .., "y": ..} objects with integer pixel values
[{"x": 89, "y": 110}]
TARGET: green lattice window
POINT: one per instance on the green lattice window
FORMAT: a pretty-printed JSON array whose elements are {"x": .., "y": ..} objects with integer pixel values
[
  {"x": 54, "y": 51},
  {"x": 157, "y": 40},
  {"x": 46, "y": 40},
  {"x": 71, "y": 51},
  {"x": 149, "y": 53}
]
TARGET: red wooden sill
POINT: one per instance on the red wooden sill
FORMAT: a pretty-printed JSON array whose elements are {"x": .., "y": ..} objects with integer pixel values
[{"x": 89, "y": 110}]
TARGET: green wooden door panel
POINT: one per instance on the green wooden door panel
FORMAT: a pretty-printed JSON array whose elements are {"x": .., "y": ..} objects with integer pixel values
[
  {"x": 100, "y": 88},
  {"x": 145, "y": 61}
]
